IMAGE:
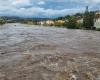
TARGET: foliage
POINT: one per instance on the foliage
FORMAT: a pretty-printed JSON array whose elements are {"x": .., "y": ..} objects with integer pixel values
[
  {"x": 72, "y": 23},
  {"x": 98, "y": 29},
  {"x": 79, "y": 25},
  {"x": 88, "y": 20},
  {"x": 92, "y": 15},
  {"x": 79, "y": 15},
  {"x": 58, "y": 24},
  {"x": 2, "y": 21},
  {"x": 30, "y": 22}
]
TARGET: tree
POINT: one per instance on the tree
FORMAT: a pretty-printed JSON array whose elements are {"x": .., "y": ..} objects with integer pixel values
[
  {"x": 88, "y": 20},
  {"x": 72, "y": 23},
  {"x": 2, "y": 21},
  {"x": 92, "y": 16}
]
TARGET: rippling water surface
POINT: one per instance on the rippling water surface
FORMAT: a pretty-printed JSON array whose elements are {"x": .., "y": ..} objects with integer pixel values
[{"x": 44, "y": 51}]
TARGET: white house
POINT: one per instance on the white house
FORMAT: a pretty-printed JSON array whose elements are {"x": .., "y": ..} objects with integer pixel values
[
  {"x": 80, "y": 20},
  {"x": 49, "y": 22},
  {"x": 41, "y": 23},
  {"x": 97, "y": 21}
]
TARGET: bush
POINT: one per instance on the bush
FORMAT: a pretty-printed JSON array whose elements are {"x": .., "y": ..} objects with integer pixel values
[
  {"x": 58, "y": 24},
  {"x": 2, "y": 21},
  {"x": 98, "y": 29},
  {"x": 78, "y": 25},
  {"x": 72, "y": 23}
]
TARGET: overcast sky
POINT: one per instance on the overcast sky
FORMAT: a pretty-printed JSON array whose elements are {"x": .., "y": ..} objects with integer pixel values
[{"x": 45, "y": 8}]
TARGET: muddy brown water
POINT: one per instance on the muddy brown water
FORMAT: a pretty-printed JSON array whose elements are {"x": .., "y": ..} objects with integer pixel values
[{"x": 30, "y": 52}]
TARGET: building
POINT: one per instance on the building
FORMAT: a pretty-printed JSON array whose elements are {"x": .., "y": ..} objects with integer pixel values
[
  {"x": 97, "y": 20},
  {"x": 61, "y": 21},
  {"x": 41, "y": 23},
  {"x": 46, "y": 23},
  {"x": 80, "y": 20},
  {"x": 49, "y": 22}
]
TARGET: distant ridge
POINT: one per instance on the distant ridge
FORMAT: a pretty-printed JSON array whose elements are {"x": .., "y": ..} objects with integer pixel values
[{"x": 11, "y": 19}]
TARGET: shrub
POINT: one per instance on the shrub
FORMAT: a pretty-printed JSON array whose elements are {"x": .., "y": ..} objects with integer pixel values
[
  {"x": 72, "y": 23},
  {"x": 98, "y": 29},
  {"x": 2, "y": 21},
  {"x": 88, "y": 20}
]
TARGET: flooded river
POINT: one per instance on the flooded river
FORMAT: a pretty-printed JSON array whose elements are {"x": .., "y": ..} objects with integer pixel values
[{"x": 30, "y": 52}]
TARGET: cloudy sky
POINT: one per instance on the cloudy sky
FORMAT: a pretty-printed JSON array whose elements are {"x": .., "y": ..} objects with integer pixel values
[{"x": 45, "y": 8}]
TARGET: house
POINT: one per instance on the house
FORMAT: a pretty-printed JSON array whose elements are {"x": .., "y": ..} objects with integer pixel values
[
  {"x": 97, "y": 23},
  {"x": 97, "y": 20},
  {"x": 49, "y": 22},
  {"x": 46, "y": 23},
  {"x": 61, "y": 21},
  {"x": 41, "y": 23},
  {"x": 80, "y": 20}
]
